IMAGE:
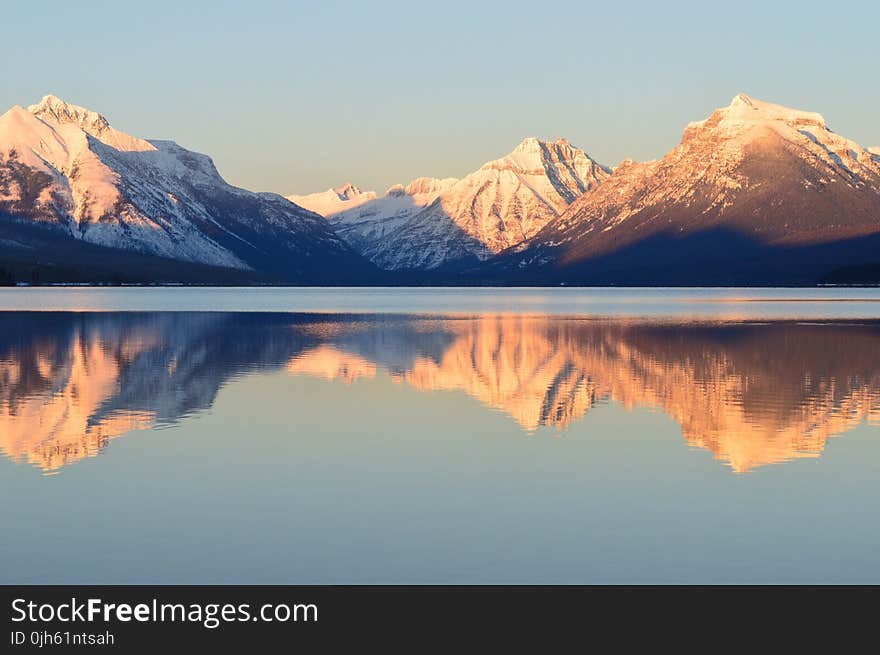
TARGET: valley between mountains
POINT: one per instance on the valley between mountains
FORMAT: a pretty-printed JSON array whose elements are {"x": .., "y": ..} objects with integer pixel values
[{"x": 755, "y": 194}]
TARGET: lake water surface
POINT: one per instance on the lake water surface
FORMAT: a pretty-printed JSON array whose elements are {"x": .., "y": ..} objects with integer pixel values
[{"x": 439, "y": 435}]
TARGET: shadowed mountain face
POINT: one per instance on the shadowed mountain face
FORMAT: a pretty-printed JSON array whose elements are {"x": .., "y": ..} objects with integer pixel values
[{"x": 752, "y": 394}]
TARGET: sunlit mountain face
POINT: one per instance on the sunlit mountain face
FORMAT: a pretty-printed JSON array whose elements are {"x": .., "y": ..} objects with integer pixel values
[{"x": 751, "y": 393}]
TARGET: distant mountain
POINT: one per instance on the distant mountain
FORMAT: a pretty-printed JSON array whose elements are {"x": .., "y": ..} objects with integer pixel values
[
  {"x": 380, "y": 230},
  {"x": 67, "y": 173},
  {"x": 757, "y": 193},
  {"x": 333, "y": 201},
  {"x": 432, "y": 223}
]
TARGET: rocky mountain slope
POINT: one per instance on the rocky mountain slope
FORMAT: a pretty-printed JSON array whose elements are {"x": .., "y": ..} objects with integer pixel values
[
  {"x": 433, "y": 223},
  {"x": 65, "y": 169},
  {"x": 756, "y": 193}
]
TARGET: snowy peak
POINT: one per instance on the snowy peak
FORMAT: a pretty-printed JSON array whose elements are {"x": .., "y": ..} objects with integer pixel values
[
  {"x": 332, "y": 201},
  {"x": 744, "y": 109},
  {"x": 16, "y": 113},
  {"x": 557, "y": 171},
  {"x": 744, "y": 140},
  {"x": 535, "y": 145},
  {"x": 534, "y": 157},
  {"x": 529, "y": 144},
  {"x": 19, "y": 127},
  {"x": 55, "y": 111},
  {"x": 422, "y": 186},
  {"x": 745, "y": 114},
  {"x": 347, "y": 191}
]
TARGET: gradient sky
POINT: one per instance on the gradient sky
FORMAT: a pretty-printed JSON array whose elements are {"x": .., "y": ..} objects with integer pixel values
[{"x": 296, "y": 97}]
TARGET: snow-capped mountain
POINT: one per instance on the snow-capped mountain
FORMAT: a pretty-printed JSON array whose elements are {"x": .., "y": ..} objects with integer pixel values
[
  {"x": 333, "y": 201},
  {"x": 432, "y": 223},
  {"x": 755, "y": 193},
  {"x": 386, "y": 232},
  {"x": 65, "y": 169}
]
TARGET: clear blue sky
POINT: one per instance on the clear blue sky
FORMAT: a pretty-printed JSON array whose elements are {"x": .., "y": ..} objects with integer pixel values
[{"x": 296, "y": 97}]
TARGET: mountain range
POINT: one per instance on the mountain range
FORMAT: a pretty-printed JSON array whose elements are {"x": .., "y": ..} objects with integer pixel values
[{"x": 755, "y": 194}]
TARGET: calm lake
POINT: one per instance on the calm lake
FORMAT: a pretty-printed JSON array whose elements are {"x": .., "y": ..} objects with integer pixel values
[{"x": 156, "y": 435}]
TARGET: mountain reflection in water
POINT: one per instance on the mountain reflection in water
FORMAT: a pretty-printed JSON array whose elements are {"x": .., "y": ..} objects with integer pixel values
[{"x": 751, "y": 393}]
